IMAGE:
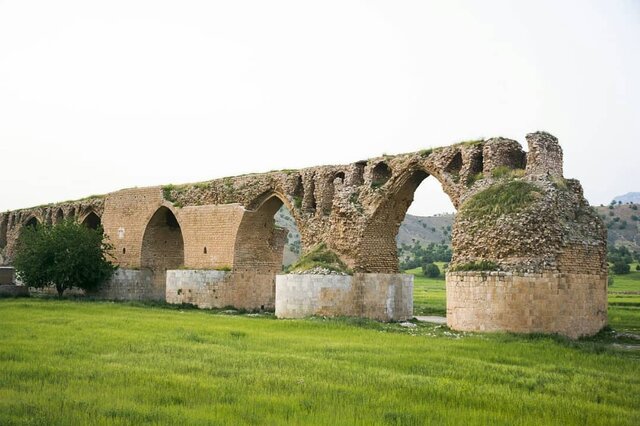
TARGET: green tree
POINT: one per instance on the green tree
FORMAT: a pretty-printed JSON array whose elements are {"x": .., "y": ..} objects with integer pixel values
[
  {"x": 431, "y": 270},
  {"x": 620, "y": 267},
  {"x": 64, "y": 255}
]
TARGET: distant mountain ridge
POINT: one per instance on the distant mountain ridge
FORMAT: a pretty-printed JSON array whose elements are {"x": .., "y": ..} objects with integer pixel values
[{"x": 629, "y": 197}]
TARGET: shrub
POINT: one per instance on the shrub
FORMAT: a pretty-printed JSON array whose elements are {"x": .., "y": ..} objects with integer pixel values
[
  {"x": 64, "y": 255},
  {"x": 431, "y": 270},
  {"x": 482, "y": 265},
  {"x": 322, "y": 257}
]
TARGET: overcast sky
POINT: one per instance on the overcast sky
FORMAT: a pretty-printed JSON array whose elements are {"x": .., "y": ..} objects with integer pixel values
[{"x": 99, "y": 96}]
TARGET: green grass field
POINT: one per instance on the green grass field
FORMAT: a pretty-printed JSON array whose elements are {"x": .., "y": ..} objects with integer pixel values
[{"x": 83, "y": 362}]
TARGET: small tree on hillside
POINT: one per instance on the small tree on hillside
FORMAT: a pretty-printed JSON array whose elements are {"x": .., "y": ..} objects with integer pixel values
[{"x": 64, "y": 255}]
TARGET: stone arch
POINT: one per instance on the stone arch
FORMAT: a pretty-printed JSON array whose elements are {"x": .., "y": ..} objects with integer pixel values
[
  {"x": 259, "y": 243},
  {"x": 455, "y": 165},
  {"x": 162, "y": 248},
  {"x": 59, "y": 217},
  {"x": 72, "y": 214},
  {"x": 380, "y": 174},
  {"x": 92, "y": 220},
  {"x": 377, "y": 250},
  {"x": 329, "y": 191},
  {"x": 32, "y": 221}
]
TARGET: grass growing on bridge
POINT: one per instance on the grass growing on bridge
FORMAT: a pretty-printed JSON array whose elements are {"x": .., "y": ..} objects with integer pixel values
[{"x": 70, "y": 362}]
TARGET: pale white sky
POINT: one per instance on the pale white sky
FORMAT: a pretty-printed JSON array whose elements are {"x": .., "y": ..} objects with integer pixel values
[{"x": 99, "y": 96}]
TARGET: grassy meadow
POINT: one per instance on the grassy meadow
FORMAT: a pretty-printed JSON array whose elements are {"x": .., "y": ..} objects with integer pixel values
[{"x": 88, "y": 362}]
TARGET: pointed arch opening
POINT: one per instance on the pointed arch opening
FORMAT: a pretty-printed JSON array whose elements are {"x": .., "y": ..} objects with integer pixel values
[
  {"x": 395, "y": 241},
  {"x": 92, "y": 221},
  {"x": 268, "y": 238},
  {"x": 162, "y": 248},
  {"x": 31, "y": 222},
  {"x": 59, "y": 218}
]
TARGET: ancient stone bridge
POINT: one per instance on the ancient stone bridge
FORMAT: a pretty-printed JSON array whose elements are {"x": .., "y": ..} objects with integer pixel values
[{"x": 529, "y": 254}]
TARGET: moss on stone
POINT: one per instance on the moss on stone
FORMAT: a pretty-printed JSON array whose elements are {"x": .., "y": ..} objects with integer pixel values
[
  {"x": 320, "y": 257},
  {"x": 501, "y": 199}
]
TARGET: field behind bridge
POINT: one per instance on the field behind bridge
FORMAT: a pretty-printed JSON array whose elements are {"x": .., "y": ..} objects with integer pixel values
[{"x": 81, "y": 362}]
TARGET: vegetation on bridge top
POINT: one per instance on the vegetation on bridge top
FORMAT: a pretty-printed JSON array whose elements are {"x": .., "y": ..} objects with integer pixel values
[
  {"x": 320, "y": 257},
  {"x": 500, "y": 199}
]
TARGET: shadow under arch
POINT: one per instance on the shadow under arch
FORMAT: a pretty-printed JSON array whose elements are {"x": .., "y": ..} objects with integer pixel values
[
  {"x": 259, "y": 242},
  {"x": 92, "y": 220},
  {"x": 162, "y": 248},
  {"x": 377, "y": 251},
  {"x": 31, "y": 222}
]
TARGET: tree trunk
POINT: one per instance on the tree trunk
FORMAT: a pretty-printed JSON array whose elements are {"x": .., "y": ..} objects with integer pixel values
[{"x": 60, "y": 289}]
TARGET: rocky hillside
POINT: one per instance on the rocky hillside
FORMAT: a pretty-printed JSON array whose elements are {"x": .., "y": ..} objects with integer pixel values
[{"x": 623, "y": 224}]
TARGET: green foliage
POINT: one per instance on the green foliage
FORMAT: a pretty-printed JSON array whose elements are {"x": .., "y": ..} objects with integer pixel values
[
  {"x": 431, "y": 270},
  {"x": 167, "y": 192},
  {"x": 424, "y": 153},
  {"x": 620, "y": 267},
  {"x": 560, "y": 183},
  {"x": 322, "y": 257},
  {"x": 619, "y": 254},
  {"x": 482, "y": 265},
  {"x": 506, "y": 172},
  {"x": 64, "y": 255},
  {"x": 225, "y": 268},
  {"x": 501, "y": 199},
  {"x": 471, "y": 179},
  {"x": 417, "y": 255}
]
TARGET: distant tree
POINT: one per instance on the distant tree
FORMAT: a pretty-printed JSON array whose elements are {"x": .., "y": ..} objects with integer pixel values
[
  {"x": 620, "y": 267},
  {"x": 64, "y": 255},
  {"x": 638, "y": 267},
  {"x": 431, "y": 270}
]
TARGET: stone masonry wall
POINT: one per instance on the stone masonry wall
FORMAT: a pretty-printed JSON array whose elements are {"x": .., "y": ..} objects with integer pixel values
[
  {"x": 220, "y": 289},
  {"x": 386, "y": 297},
  {"x": 571, "y": 304}
]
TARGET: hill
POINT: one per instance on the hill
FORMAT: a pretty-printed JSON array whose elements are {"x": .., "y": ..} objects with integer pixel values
[
  {"x": 629, "y": 197},
  {"x": 623, "y": 225}
]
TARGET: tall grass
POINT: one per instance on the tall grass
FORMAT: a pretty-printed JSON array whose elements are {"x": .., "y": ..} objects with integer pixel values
[{"x": 75, "y": 362}]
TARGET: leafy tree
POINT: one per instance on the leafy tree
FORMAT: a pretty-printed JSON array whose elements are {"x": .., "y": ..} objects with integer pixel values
[
  {"x": 431, "y": 270},
  {"x": 64, "y": 255},
  {"x": 620, "y": 267}
]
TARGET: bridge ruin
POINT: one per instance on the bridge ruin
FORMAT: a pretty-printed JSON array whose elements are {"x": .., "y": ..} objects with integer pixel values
[{"x": 529, "y": 254}]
